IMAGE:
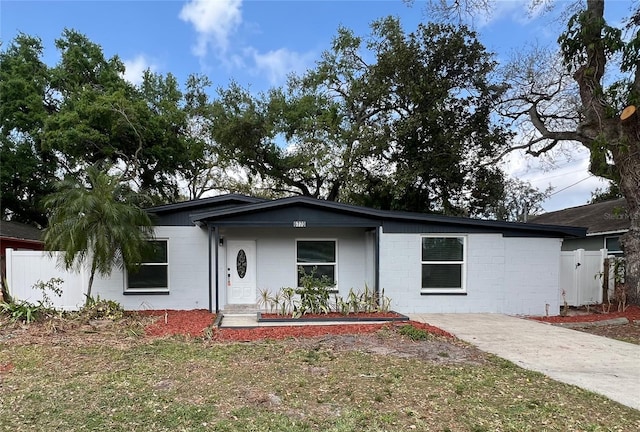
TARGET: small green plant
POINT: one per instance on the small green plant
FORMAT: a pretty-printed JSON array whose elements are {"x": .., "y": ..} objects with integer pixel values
[
  {"x": 353, "y": 300},
  {"x": 385, "y": 303},
  {"x": 264, "y": 300},
  {"x": 288, "y": 295},
  {"x": 4, "y": 291},
  {"x": 276, "y": 300},
  {"x": 53, "y": 285},
  {"x": 413, "y": 333},
  {"x": 312, "y": 356},
  {"x": 22, "y": 311},
  {"x": 27, "y": 312},
  {"x": 341, "y": 305},
  {"x": 369, "y": 300},
  {"x": 314, "y": 294}
]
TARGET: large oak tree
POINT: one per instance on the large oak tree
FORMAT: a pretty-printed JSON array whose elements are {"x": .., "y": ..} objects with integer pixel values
[
  {"x": 393, "y": 120},
  {"x": 58, "y": 120}
]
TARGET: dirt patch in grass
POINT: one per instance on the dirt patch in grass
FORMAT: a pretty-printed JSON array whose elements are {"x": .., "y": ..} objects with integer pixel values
[
  {"x": 387, "y": 341},
  {"x": 284, "y": 332},
  {"x": 624, "y": 332},
  {"x": 61, "y": 330}
]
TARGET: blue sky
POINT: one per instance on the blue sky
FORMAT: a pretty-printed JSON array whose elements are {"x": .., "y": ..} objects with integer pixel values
[{"x": 257, "y": 43}]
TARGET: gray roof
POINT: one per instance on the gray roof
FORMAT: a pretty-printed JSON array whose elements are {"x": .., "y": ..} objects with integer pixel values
[
  {"x": 205, "y": 202},
  {"x": 379, "y": 216},
  {"x": 20, "y": 231},
  {"x": 608, "y": 216}
]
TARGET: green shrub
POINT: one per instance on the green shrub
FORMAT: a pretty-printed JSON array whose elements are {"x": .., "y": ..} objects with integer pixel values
[
  {"x": 102, "y": 309},
  {"x": 413, "y": 333},
  {"x": 314, "y": 295},
  {"x": 26, "y": 312},
  {"x": 22, "y": 311}
]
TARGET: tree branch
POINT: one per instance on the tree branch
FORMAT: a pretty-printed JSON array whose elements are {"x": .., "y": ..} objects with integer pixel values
[{"x": 540, "y": 126}]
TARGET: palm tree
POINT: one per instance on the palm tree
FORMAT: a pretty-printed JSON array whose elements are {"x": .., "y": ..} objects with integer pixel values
[{"x": 96, "y": 221}]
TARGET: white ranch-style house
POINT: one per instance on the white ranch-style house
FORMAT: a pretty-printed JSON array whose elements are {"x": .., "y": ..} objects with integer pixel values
[{"x": 218, "y": 253}]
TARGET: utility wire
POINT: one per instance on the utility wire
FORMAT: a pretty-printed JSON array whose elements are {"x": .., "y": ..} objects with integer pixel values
[
  {"x": 571, "y": 185},
  {"x": 553, "y": 176}
]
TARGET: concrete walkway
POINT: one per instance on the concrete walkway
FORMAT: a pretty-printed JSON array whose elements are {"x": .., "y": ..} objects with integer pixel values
[{"x": 601, "y": 365}]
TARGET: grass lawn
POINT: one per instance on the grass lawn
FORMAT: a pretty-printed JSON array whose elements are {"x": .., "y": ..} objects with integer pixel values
[{"x": 380, "y": 382}]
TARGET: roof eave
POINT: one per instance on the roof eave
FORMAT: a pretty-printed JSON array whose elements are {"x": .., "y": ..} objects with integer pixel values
[
  {"x": 599, "y": 233},
  {"x": 381, "y": 215}
]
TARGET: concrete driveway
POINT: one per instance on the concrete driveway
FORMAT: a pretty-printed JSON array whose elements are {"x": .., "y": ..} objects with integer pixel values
[{"x": 601, "y": 365}]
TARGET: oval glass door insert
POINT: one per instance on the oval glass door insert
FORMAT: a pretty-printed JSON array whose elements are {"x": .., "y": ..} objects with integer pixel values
[{"x": 241, "y": 263}]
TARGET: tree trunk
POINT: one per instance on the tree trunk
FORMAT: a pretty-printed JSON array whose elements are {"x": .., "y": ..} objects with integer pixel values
[
  {"x": 627, "y": 159},
  {"x": 87, "y": 300},
  {"x": 606, "y": 135},
  {"x": 626, "y": 156}
]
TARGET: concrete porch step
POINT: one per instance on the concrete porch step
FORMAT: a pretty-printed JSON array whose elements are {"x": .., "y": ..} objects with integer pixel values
[
  {"x": 232, "y": 309},
  {"x": 239, "y": 320}
]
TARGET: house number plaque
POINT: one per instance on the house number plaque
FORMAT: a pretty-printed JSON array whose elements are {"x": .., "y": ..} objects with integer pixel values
[{"x": 299, "y": 224}]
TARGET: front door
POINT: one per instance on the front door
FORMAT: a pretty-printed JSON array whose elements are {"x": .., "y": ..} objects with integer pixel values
[{"x": 241, "y": 272}]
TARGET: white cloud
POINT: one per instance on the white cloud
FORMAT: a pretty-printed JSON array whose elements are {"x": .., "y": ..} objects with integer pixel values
[
  {"x": 520, "y": 11},
  {"x": 499, "y": 10},
  {"x": 567, "y": 171},
  {"x": 214, "y": 21},
  {"x": 134, "y": 68},
  {"x": 276, "y": 65}
]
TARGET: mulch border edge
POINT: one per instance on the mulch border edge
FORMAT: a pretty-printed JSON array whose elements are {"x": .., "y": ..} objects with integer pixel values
[
  {"x": 587, "y": 324},
  {"x": 346, "y": 318}
]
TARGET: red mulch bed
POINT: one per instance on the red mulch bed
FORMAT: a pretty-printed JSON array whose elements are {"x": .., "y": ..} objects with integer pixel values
[
  {"x": 193, "y": 323},
  {"x": 178, "y": 322},
  {"x": 631, "y": 313}
]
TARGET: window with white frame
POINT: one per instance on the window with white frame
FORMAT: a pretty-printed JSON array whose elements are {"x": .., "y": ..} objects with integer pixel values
[
  {"x": 153, "y": 274},
  {"x": 317, "y": 257},
  {"x": 443, "y": 264},
  {"x": 612, "y": 244}
]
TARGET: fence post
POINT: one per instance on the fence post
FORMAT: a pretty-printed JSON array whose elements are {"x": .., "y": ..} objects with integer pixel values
[
  {"x": 8, "y": 282},
  {"x": 605, "y": 280},
  {"x": 604, "y": 274},
  {"x": 578, "y": 275}
]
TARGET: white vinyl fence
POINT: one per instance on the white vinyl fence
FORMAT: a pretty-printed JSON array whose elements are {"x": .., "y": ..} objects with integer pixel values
[
  {"x": 581, "y": 275},
  {"x": 26, "y": 268}
]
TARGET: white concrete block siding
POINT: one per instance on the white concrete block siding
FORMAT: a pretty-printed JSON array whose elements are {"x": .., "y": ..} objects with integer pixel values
[
  {"x": 188, "y": 252},
  {"x": 276, "y": 256},
  {"x": 504, "y": 275}
]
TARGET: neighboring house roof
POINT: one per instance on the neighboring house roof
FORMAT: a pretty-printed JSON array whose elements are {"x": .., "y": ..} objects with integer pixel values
[
  {"x": 19, "y": 231},
  {"x": 605, "y": 217},
  {"x": 279, "y": 212}
]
